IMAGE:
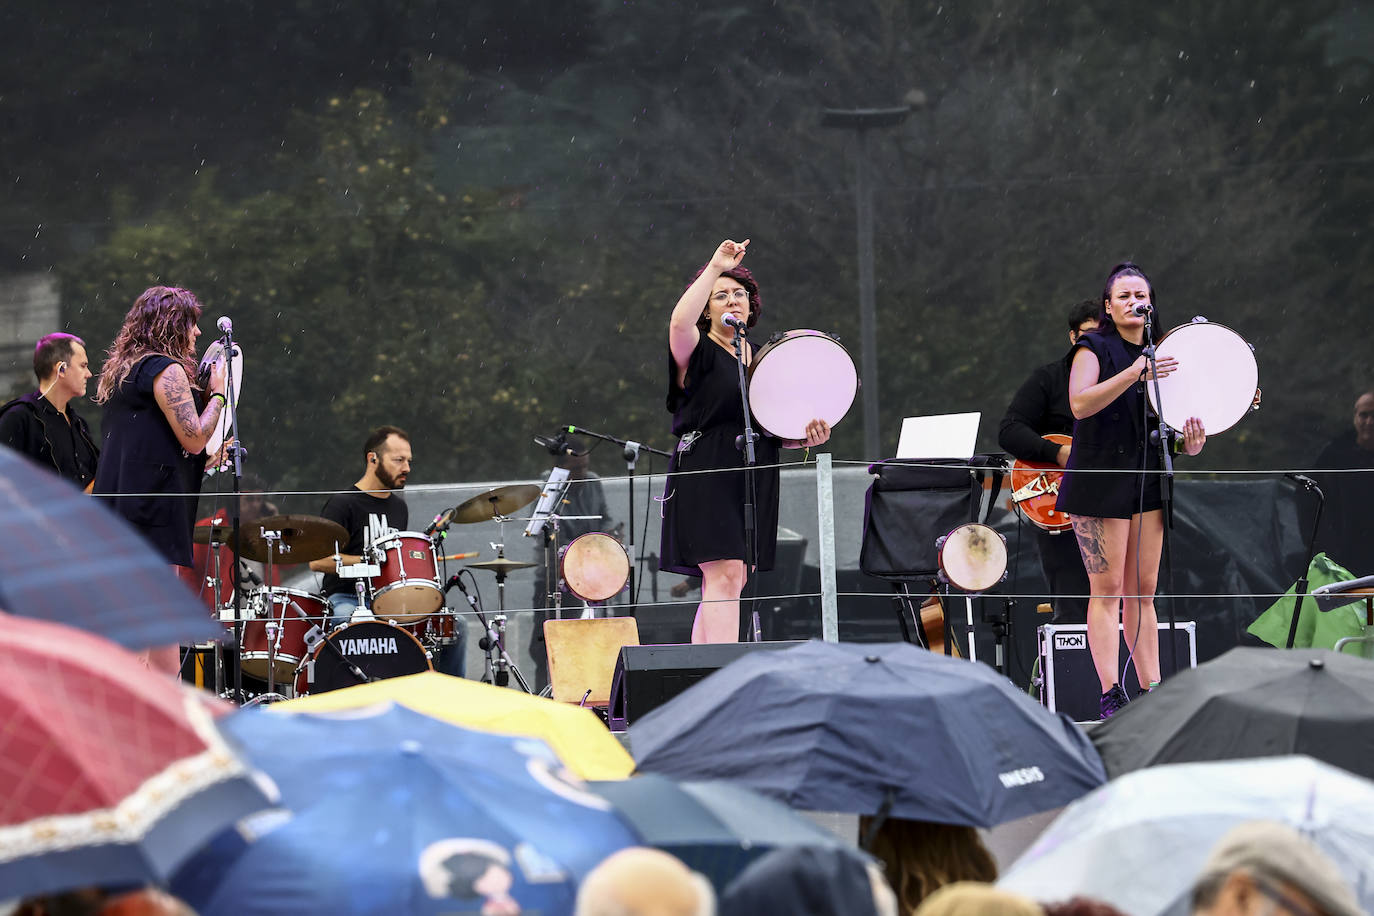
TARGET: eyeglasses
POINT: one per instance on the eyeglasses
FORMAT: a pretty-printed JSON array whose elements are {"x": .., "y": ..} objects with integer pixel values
[{"x": 725, "y": 295}]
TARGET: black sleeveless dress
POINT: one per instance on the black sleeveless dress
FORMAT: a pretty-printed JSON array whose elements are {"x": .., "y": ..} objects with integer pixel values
[
  {"x": 140, "y": 454},
  {"x": 703, "y": 514}
]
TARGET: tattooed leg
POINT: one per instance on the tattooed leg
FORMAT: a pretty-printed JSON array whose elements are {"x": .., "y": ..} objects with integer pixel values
[{"x": 1102, "y": 542}]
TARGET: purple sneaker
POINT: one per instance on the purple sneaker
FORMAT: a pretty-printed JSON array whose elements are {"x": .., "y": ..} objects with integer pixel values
[{"x": 1112, "y": 701}]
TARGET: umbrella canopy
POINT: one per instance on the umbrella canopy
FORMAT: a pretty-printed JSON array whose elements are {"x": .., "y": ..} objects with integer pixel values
[
  {"x": 579, "y": 738},
  {"x": 390, "y": 811},
  {"x": 1140, "y": 841},
  {"x": 1250, "y": 703},
  {"x": 69, "y": 559},
  {"x": 112, "y": 773},
  {"x": 848, "y": 727},
  {"x": 717, "y": 828}
]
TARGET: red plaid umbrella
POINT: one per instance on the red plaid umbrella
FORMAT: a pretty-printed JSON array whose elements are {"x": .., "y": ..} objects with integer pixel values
[{"x": 113, "y": 774}]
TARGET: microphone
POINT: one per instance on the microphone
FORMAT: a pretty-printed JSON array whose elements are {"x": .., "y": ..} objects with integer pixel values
[
  {"x": 739, "y": 324},
  {"x": 1303, "y": 479},
  {"x": 455, "y": 580},
  {"x": 1141, "y": 308},
  {"x": 441, "y": 522},
  {"x": 558, "y": 445},
  {"x": 225, "y": 325}
]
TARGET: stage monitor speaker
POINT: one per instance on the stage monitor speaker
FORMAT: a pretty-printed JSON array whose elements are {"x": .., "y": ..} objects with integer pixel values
[
  {"x": 646, "y": 677},
  {"x": 1068, "y": 680}
]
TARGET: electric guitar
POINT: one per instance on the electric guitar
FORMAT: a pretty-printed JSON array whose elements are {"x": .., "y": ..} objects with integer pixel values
[{"x": 1035, "y": 487}]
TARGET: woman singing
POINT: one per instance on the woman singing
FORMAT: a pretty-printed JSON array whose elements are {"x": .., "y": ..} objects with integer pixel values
[
  {"x": 703, "y": 514},
  {"x": 155, "y": 427},
  {"x": 1118, "y": 517}
]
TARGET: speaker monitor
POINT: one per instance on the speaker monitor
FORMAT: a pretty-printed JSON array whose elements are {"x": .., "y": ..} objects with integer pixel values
[
  {"x": 646, "y": 677},
  {"x": 1069, "y": 680}
]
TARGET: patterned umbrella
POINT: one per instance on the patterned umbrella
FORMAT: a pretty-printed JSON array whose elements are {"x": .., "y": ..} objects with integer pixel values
[
  {"x": 113, "y": 774},
  {"x": 69, "y": 559}
]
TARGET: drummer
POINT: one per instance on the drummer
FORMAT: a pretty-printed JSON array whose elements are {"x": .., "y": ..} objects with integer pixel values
[
  {"x": 703, "y": 514},
  {"x": 1118, "y": 517}
]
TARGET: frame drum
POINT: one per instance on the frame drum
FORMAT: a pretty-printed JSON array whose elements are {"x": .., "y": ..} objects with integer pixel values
[
  {"x": 798, "y": 377},
  {"x": 595, "y": 567},
  {"x": 973, "y": 557},
  {"x": 1216, "y": 380}
]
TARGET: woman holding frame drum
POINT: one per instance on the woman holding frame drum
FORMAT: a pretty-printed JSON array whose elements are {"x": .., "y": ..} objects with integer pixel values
[
  {"x": 1118, "y": 517},
  {"x": 703, "y": 513}
]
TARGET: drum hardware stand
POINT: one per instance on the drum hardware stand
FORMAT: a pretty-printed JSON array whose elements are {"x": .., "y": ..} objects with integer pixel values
[
  {"x": 494, "y": 642},
  {"x": 274, "y": 632},
  {"x": 1162, "y": 436},
  {"x": 631, "y": 450},
  {"x": 1301, "y": 588}
]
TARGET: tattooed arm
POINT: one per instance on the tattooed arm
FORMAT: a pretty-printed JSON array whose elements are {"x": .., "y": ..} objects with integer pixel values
[{"x": 173, "y": 392}]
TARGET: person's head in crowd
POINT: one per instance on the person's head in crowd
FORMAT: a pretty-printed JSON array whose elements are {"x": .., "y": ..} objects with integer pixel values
[
  {"x": 1081, "y": 906},
  {"x": 970, "y": 898},
  {"x": 61, "y": 366},
  {"x": 644, "y": 882},
  {"x": 810, "y": 880},
  {"x": 921, "y": 856},
  {"x": 163, "y": 320},
  {"x": 1268, "y": 867},
  {"x": 1364, "y": 421},
  {"x": 1082, "y": 319},
  {"x": 92, "y": 901}
]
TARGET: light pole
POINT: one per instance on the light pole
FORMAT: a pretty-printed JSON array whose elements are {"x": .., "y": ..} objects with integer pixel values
[{"x": 861, "y": 121}]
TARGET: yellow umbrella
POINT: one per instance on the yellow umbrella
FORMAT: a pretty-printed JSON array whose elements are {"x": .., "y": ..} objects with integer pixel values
[{"x": 579, "y": 738}]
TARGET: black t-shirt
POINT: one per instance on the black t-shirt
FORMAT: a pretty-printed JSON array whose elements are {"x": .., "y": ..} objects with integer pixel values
[{"x": 352, "y": 511}]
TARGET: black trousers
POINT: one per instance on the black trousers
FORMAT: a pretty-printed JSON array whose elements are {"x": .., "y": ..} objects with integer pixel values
[{"x": 1065, "y": 575}]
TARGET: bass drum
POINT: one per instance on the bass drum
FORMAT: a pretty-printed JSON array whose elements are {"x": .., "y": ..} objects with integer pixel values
[
  {"x": 973, "y": 557},
  {"x": 1217, "y": 379},
  {"x": 379, "y": 649},
  {"x": 798, "y": 377}
]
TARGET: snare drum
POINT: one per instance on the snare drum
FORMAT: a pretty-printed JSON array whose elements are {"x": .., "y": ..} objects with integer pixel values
[
  {"x": 798, "y": 377},
  {"x": 407, "y": 588},
  {"x": 1217, "y": 378},
  {"x": 439, "y": 628},
  {"x": 594, "y": 567},
  {"x": 378, "y": 648},
  {"x": 973, "y": 557},
  {"x": 286, "y": 607}
]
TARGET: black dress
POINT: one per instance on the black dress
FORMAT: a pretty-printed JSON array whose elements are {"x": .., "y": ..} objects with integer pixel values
[
  {"x": 703, "y": 514},
  {"x": 1114, "y": 438},
  {"x": 140, "y": 454}
]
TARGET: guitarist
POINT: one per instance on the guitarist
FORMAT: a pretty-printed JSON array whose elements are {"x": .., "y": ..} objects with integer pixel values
[{"x": 1040, "y": 407}]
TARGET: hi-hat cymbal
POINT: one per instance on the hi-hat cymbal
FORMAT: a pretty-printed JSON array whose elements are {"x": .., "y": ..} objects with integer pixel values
[
  {"x": 303, "y": 538},
  {"x": 500, "y": 565},
  {"x": 500, "y": 501},
  {"x": 216, "y": 533}
]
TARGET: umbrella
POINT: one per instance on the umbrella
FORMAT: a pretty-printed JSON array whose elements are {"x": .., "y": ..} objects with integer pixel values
[
  {"x": 717, "y": 828},
  {"x": 112, "y": 773},
  {"x": 1140, "y": 841},
  {"x": 390, "y": 811},
  {"x": 1250, "y": 703},
  {"x": 864, "y": 728},
  {"x": 579, "y": 738},
  {"x": 69, "y": 559}
]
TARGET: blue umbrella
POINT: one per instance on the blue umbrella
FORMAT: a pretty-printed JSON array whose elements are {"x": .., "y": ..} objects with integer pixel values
[
  {"x": 390, "y": 811},
  {"x": 865, "y": 728},
  {"x": 69, "y": 559},
  {"x": 716, "y": 828}
]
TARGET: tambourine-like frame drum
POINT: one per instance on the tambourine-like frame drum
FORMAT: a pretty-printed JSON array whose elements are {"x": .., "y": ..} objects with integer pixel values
[
  {"x": 292, "y": 627},
  {"x": 801, "y": 376},
  {"x": 407, "y": 589},
  {"x": 380, "y": 648},
  {"x": 224, "y": 427},
  {"x": 594, "y": 566},
  {"x": 1216, "y": 380},
  {"x": 973, "y": 557}
]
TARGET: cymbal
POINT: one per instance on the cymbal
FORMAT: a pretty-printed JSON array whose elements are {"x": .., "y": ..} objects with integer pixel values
[
  {"x": 500, "y": 501},
  {"x": 216, "y": 533},
  {"x": 303, "y": 538},
  {"x": 500, "y": 565}
]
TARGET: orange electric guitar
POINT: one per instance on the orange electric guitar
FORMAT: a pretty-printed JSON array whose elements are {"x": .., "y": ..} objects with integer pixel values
[{"x": 1035, "y": 487}]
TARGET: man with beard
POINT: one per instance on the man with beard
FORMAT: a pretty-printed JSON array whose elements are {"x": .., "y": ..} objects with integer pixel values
[{"x": 386, "y": 454}]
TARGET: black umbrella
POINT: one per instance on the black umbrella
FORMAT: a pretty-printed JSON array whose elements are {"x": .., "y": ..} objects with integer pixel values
[
  {"x": 66, "y": 557},
  {"x": 1250, "y": 703},
  {"x": 864, "y": 728}
]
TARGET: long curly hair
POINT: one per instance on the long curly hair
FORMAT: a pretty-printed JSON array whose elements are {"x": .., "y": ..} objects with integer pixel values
[
  {"x": 160, "y": 322},
  {"x": 920, "y": 857}
]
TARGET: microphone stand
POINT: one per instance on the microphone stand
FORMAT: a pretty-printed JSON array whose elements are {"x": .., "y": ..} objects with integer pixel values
[
  {"x": 495, "y": 638},
  {"x": 1301, "y": 588},
  {"x": 1162, "y": 435},
  {"x": 231, "y": 405},
  {"x": 631, "y": 456},
  {"x": 747, "y": 440}
]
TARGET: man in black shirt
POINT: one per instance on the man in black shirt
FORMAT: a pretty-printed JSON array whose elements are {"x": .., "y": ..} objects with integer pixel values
[
  {"x": 44, "y": 424},
  {"x": 1348, "y": 515},
  {"x": 1041, "y": 407}
]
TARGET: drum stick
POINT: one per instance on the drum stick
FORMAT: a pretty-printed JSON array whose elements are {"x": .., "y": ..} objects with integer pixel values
[{"x": 462, "y": 556}]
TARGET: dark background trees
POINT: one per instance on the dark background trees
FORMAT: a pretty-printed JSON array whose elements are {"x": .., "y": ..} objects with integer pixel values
[{"x": 471, "y": 219}]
